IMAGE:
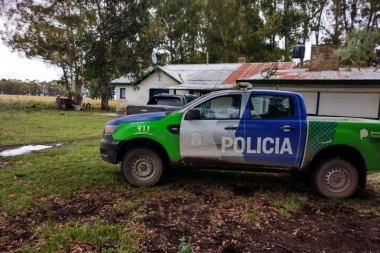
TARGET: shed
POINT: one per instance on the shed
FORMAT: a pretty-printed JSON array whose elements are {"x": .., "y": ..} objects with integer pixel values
[{"x": 342, "y": 92}]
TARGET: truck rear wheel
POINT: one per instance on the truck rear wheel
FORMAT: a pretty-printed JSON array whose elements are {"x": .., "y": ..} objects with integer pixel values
[
  {"x": 142, "y": 167},
  {"x": 335, "y": 178}
]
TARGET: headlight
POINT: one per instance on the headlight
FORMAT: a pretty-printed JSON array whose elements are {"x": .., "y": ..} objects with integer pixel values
[{"x": 110, "y": 129}]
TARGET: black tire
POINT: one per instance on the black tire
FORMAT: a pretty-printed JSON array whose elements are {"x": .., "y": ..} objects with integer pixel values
[
  {"x": 335, "y": 178},
  {"x": 142, "y": 167}
]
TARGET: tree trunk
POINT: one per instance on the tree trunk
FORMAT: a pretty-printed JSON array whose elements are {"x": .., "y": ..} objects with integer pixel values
[
  {"x": 104, "y": 96},
  {"x": 78, "y": 99}
]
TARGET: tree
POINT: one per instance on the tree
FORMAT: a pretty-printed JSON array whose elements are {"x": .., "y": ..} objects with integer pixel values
[
  {"x": 96, "y": 39},
  {"x": 50, "y": 31},
  {"x": 260, "y": 32},
  {"x": 360, "y": 48},
  {"x": 180, "y": 22},
  {"x": 115, "y": 42}
]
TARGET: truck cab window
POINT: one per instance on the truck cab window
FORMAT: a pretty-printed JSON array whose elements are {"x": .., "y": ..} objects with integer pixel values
[
  {"x": 169, "y": 101},
  {"x": 271, "y": 107},
  {"x": 225, "y": 107}
]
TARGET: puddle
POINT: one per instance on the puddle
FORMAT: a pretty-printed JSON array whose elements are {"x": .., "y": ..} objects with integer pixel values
[{"x": 27, "y": 149}]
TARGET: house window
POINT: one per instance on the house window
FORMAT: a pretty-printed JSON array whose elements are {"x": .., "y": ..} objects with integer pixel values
[{"x": 122, "y": 92}]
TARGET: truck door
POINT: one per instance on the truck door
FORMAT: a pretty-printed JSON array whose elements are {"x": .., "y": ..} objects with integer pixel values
[
  {"x": 201, "y": 140},
  {"x": 274, "y": 132}
]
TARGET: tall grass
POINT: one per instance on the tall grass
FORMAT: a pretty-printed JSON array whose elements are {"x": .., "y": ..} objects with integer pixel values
[{"x": 38, "y": 103}]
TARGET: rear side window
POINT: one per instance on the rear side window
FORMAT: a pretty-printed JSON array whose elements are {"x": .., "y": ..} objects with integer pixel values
[{"x": 271, "y": 107}]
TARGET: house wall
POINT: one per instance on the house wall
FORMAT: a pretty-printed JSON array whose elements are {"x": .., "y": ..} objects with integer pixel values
[
  {"x": 364, "y": 104},
  {"x": 180, "y": 92},
  {"x": 156, "y": 80}
]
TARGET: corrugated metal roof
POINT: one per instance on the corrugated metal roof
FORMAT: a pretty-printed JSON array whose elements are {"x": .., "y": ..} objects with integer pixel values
[
  {"x": 127, "y": 79},
  {"x": 208, "y": 74},
  {"x": 305, "y": 74},
  {"x": 250, "y": 69},
  {"x": 201, "y": 87},
  {"x": 123, "y": 79},
  {"x": 175, "y": 75},
  {"x": 204, "y": 74}
]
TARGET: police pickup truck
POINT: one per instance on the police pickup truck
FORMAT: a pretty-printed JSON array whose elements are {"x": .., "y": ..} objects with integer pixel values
[{"x": 254, "y": 130}]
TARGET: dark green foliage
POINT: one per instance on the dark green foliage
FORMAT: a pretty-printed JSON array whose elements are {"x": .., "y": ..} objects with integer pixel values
[
  {"x": 359, "y": 48},
  {"x": 32, "y": 88},
  {"x": 115, "y": 43}
]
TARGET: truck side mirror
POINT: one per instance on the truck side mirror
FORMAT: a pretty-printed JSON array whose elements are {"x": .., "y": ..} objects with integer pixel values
[{"x": 193, "y": 114}]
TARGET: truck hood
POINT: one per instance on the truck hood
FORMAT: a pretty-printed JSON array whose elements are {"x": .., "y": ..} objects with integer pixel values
[{"x": 138, "y": 117}]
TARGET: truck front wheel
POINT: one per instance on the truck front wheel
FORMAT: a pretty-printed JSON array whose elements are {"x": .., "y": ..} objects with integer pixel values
[
  {"x": 142, "y": 167},
  {"x": 335, "y": 178}
]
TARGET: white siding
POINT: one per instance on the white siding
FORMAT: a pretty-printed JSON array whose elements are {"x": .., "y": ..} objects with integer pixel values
[
  {"x": 364, "y": 105},
  {"x": 156, "y": 80},
  {"x": 182, "y": 92},
  {"x": 311, "y": 100}
]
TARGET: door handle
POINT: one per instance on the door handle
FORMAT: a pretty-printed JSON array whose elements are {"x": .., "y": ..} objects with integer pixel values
[
  {"x": 231, "y": 128},
  {"x": 287, "y": 128}
]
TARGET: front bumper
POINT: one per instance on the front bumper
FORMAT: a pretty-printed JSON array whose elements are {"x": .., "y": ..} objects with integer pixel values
[{"x": 109, "y": 148}]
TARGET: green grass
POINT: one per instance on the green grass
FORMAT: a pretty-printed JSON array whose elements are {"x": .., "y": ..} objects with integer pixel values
[
  {"x": 19, "y": 127},
  {"x": 44, "y": 184},
  {"x": 55, "y": 171},
  {"x": 73, "y": 235}
]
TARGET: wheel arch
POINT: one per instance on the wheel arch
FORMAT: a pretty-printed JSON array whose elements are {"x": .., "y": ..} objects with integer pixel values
[
  {"x": 142, "y": 142},
  {"x": 349, "y": 153}
]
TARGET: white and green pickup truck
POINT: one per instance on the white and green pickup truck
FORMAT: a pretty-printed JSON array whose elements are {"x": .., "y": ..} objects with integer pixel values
[{"x": 252, "y": 130}]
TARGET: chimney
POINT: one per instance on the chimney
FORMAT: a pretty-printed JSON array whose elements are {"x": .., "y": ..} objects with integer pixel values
[
  {"x": 323, "y": 58},
  {"x": 241, "y": 60}
]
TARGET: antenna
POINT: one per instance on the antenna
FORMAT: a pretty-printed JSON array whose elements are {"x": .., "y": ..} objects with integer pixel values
[{"x": 154, "y": 58}]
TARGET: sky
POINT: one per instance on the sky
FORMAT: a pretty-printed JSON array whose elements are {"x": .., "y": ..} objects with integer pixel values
[{"x": 13, "y": 66}]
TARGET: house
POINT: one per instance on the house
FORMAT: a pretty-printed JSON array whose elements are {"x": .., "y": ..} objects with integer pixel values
[
  {"x": 328, "y": 89},
  {"x": 186, "y": 79}
]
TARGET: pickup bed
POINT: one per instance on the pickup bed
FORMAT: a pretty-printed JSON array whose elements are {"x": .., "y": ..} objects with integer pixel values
[
  {"x": 162, "y": 102},
  {"x": 253, "y": 130}
]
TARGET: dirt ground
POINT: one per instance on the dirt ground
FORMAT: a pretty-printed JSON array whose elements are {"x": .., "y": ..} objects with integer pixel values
[{"x": 215, "y": 224}]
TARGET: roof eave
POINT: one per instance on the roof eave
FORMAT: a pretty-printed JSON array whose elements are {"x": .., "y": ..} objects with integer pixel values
[{"x": 348, "y": 82}]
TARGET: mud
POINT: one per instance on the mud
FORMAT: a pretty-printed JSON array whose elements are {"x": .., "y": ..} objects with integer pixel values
[{"x": 207, "y": 221}]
